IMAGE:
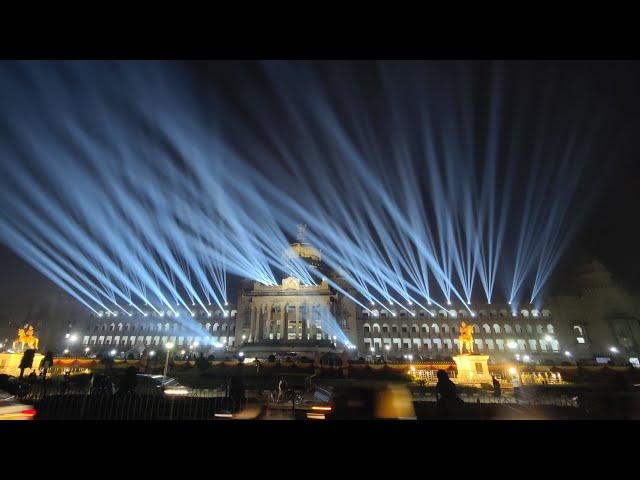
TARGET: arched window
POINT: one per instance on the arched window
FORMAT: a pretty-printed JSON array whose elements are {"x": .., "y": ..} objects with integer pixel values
[
  {"x": 414, "y": 328},
  {"x": 425, "y": 328},
  {"x": 385, "y": 328},
  {"x": 518, "y": 328},
  {"x": 496, "y": 328},
  {"x": 549, "y": 328},
  {"x": 529, "y": 329},
  {"x": 366, "y": 327},
  {"x": 507, "y": 329},
  {"x": 486, "y": 328},
  {"x": 376, "y": 328},
  {"x": 435, "y": 328}
]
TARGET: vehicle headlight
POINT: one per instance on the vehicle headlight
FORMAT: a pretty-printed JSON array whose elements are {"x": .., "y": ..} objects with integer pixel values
[{"x": 176, "y": 391}]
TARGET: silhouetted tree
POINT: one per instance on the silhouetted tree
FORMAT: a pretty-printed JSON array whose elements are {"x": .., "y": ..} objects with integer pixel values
[
  {"x": 129, "y": 382},
  {"x": 202, "y": 363},
  {"x": 107, "y": 361}
]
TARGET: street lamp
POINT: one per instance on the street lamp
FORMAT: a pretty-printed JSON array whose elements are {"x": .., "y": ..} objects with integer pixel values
[
  {"x": 87, "y": 350},
  {"x": 166, "y": 362},
  {"x": 614, "y": 350}
]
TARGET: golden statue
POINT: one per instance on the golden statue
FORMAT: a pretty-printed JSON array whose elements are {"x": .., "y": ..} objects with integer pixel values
[
  {"x": 26, "y": 337},
  {"x": 466, "y": 338}
]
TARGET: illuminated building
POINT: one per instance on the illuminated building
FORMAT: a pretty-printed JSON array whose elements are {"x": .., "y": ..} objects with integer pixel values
[
  {"x": 587, "y": 322},
  {"x": 294, "y": 318}
]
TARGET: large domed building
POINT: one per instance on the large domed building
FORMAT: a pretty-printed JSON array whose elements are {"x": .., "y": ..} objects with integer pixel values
[{"x": 294, "y": 318}]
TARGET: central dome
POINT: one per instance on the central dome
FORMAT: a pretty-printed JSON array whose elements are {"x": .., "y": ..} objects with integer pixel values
[{"x": 304, "y": 250}]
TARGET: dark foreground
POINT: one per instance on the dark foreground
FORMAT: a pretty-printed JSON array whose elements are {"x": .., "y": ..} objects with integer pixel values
[{"x": 87, "y": 407}]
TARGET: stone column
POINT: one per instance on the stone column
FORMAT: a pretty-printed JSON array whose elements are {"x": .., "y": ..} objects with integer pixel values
[
  {"x": 304, "y": 323},
  {"x": 261, "y": 323},
  {"x": 267, "y": 321},
  {"x": 284, "y": 327},
  {"x": 251, "y": 329}
]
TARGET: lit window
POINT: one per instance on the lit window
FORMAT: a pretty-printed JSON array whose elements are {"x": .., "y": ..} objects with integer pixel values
[{"x": 580, "y": 339}]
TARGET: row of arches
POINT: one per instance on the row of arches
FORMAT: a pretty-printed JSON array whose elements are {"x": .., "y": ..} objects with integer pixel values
[
  {"x": 158, "y": 327},
  {"x": 196, "y": 313},
  {"x": 459, "y": 313},
  {"x": 447, "y": 329}
]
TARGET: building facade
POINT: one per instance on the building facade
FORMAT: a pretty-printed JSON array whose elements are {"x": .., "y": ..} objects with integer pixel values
[{"x": 598, "y": 320}]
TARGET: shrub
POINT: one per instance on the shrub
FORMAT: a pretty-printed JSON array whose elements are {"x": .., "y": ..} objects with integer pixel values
[{"x": 202, "y": 363}]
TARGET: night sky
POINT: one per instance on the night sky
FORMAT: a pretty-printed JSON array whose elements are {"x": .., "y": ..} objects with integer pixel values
[{"x": 609, "y": 233}]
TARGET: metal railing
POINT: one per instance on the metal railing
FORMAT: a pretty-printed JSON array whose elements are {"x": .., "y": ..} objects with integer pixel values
[{"x": 83, "y": 406}]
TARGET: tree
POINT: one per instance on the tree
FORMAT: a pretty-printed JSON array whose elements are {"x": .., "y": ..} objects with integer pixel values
[
  {"x": 271, "y": 358},
  {"x": 27, "y": 361},
  {"x": 107, "y": 361},
  {"x": 202, "y": 363}
]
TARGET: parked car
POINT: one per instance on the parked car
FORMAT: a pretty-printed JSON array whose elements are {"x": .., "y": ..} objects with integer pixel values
[
  {"x": 14, "y": 385},
  {"x": 366, "y": 400},
  {"x": 159, "y": 385},
  {"x": 12, "y": 409}
]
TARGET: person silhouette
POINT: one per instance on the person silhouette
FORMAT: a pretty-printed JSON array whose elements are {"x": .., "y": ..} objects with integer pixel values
[
  {"x": 66, "y": 379},
  {"x": 447, "y": 399},
  {"x": 497, "y": 391}
]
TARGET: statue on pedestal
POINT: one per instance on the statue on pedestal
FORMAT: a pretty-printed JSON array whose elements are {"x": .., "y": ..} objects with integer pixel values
[
  {"x": 27, "y": 337},
  {"x": 466, "y": 338}
]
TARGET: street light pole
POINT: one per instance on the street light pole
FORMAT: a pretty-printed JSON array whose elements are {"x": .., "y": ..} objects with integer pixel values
[{"x": 166, "y": 362}]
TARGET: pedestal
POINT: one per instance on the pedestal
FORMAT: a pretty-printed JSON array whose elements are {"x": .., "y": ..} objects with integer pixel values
[
  {"x": 10, "y": 363},
  {"x": 472, "y": 369}
]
